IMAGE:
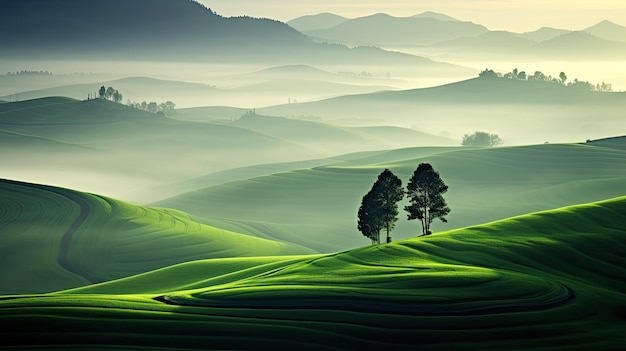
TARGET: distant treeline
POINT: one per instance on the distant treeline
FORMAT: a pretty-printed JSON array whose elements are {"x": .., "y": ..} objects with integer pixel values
[
  {"x": 166, "y": 108},
  {"x": 46, "y": 74},
  {"x": 29, "y": 73},
  {"x": 539, "y": 76}
]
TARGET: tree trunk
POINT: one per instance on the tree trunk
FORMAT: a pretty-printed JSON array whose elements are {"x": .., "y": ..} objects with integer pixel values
[{"x": 388, "y": 238}]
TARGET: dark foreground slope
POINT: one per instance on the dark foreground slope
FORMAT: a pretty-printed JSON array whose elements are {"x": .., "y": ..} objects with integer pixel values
[
  {"x": 55, "y": 238},
  {"x": 546, "y": 281}
]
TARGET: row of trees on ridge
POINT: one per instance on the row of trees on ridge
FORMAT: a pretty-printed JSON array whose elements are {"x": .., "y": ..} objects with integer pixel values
[
  {"x": 167, "y": 108},
  {"x": 539, "y": 76},
  {"x": 379, "y": 207}
]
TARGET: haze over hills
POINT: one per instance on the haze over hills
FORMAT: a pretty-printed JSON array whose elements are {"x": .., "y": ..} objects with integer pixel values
[
  {"x": 123, "y": 152},
  {"x": 519, "y": 111},
  {"x": 112, "y": 149},
  {"x": 251, "y": 90},
  {"x": 315, "y": 22},
  {"x": 172, "y": 30},
  {"x": 444, "y": 32},
  {"x": 608, "y": 30},
  {"x": 382, "y": 29},
  {"x": 544, "y": 33}
]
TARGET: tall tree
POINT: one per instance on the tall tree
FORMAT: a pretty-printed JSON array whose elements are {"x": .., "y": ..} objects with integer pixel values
[
  {"x": 369, "y": 223},
  {"x": 102, "y": 92},
  {"x": 109, "y": 93},
  {"x": 117, "y": 96},
  {"x": 390, "y": 193},
  {"x": 379, "y": 207},
  {"x": 425, "y": 192}
]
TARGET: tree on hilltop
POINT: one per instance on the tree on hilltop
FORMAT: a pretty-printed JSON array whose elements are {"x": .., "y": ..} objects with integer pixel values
[
  {"x": 369, "y": 223},
  {"x": 109, "y": 93},
  {"x": 481, "y": 139},
  {"x": 117, "y": 96},
  {"x": 379, "y": 207},
  {"x": 425, "y": 192}
]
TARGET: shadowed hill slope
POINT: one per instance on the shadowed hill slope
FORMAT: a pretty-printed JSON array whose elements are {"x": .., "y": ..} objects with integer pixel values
[
  {"x": 56, "y": 238},
  {"x": 544, "y": 281}
]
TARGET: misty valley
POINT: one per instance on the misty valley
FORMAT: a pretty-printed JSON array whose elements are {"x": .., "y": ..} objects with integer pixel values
[{"x": 172, "y": 178}]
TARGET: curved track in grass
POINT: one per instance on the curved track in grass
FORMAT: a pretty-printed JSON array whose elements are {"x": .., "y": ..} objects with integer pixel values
[{"x": 66, "y": 239}]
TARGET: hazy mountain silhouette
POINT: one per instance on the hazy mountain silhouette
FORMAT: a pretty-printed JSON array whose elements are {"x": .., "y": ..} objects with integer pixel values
[
  {"x": 496, "y": 41},
  {"x": 583, "y": 45},
  {"x": 178, "y": 30},
  {"x": 543, "y": 34},
  {"x": 314, "y": 22},
  {"x": 608, "y": 30},
  {"x": 435, "y": 15},
  {"x": 580, "y": 44},
  {"x": 383, "y": 29}
]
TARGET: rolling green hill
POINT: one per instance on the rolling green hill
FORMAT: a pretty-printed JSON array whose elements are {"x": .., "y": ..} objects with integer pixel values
[
  {"x": 335, "y": 139},
  {"x": 316, "y": 206},
  {"x": 545, "y": 281},
  {"x": 55, "y": 238}
]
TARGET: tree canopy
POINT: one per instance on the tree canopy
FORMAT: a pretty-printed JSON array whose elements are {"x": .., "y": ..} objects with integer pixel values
[
  {"x": 110, "y": 93},
  {"x": 481, "y": 139},
  {"x": 425, "y": 192},
  {"x": 379, "y": 207}
]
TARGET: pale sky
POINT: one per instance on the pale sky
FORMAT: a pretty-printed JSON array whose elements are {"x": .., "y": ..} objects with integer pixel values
[{"x": 513, "y": 15}]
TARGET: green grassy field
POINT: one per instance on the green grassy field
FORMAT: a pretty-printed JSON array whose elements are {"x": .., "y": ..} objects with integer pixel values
[
  {"x": 55, "y": 239},
  {"x": 316, "y": 206},
  {"x": 551, "y": 280}
]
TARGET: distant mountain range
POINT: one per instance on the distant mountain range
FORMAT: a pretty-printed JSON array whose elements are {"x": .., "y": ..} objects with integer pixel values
[
  {"x": 165, "y": 30},
  {"x": 382, "y": 29},
  {"x": 442, "y": 32}
]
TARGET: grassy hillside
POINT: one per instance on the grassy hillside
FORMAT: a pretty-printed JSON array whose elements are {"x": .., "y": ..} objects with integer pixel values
[
  {"x": 545, "y": 281},
  {"x": 317, "y": 206},
  {"x": 335, "y": 139},
  {"x": 56, "y": 238},
  {"x": 614, "y": 143}
]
